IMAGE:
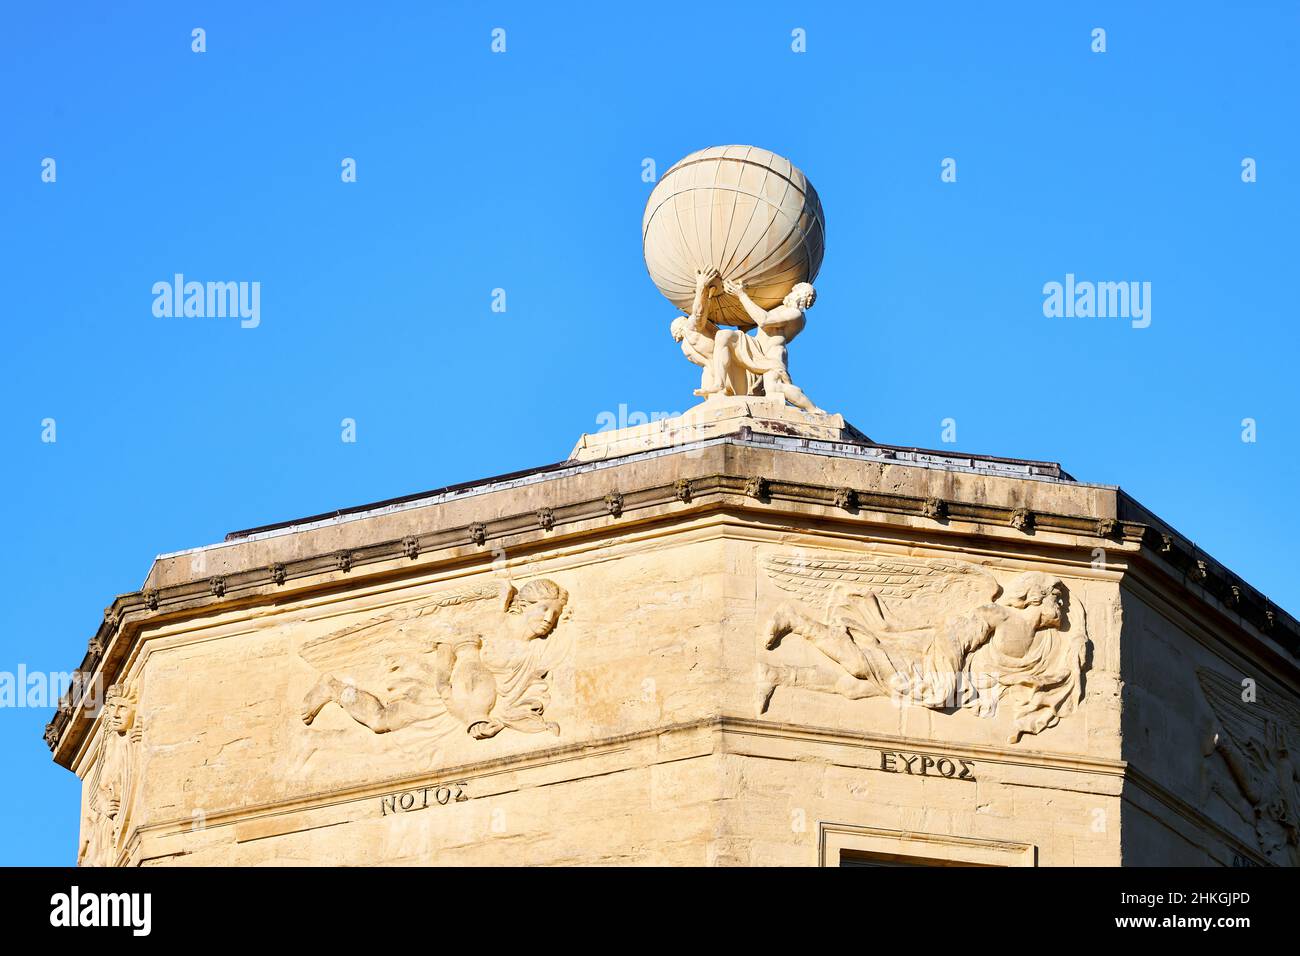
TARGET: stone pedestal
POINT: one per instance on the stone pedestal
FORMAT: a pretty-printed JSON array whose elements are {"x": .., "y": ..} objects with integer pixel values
[{"x": 716, "y": 416}]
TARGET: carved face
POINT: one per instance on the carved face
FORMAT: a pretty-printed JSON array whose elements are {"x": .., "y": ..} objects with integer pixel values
[
  {"x": 539, "y": 604},
  {"x": 118, "y": 714},
  {"x": 540, "y": 618},
  {"x": 1053, "y": 606}
]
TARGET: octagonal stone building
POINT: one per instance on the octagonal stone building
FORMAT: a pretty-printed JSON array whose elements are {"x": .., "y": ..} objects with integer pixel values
[{"x": 768, "y": 641}]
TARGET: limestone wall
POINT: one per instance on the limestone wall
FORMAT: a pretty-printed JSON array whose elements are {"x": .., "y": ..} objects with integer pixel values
[
  {"x": 661, "y": 754},
  {"x": 1192, "y": 691}
]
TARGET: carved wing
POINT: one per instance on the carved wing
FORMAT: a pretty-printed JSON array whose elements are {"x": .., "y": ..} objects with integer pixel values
[
  {"x": 912, "y": 589},
  {"x": 396, "y": 639},
  {"x": 1248, "y": 724}
]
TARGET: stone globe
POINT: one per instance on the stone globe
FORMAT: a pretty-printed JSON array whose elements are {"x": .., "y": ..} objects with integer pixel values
[{"x": 746, "y": 212}]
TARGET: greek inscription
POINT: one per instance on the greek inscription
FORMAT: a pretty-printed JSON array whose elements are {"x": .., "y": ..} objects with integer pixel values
[
  {"x": 926, "y": 765},
  {"x": 407, "y": 801}
]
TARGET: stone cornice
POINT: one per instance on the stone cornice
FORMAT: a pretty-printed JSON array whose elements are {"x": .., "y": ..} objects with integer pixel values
[
  {"x": 1198, "y": 571},
  {"x": 660, "y": 502}
]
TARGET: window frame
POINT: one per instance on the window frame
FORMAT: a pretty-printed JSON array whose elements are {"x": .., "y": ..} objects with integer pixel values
[{"x": 911, "y": 847}]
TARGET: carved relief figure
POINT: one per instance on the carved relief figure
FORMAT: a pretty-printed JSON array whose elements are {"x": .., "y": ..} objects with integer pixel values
[
  {"x": 478, "y": 657},
  {"x": 111, "y": 792},
  {"x": 1254, "y": 742},
  {"x": 935, "y": 634}
]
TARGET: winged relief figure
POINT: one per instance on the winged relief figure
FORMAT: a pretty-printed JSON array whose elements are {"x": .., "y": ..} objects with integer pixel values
[
  {"x": 478, "y": 657},
  {"x": 937, "y": 634},
  {"x": 1254, "y": 741}
]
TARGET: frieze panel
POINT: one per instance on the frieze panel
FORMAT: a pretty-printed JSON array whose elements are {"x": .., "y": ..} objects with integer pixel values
[
  {"x": 474, "y": 660},
  {"x": 1251, "y": 739},
  {"x": 936, "y": 634}
]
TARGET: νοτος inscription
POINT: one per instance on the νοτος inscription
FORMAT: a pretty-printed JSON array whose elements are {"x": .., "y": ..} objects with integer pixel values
[{"x": 409, "y": 800}]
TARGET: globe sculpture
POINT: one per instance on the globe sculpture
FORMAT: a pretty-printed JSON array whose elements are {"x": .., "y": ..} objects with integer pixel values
[{"x": 742, "y": 210}]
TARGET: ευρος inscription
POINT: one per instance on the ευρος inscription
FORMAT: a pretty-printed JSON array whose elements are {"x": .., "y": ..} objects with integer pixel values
[
  {"x": 406, "y": 801},
  {"x": 926, "y": 765}
]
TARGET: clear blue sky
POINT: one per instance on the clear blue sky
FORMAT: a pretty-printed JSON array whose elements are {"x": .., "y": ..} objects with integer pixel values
[{"x": 522, "y": 171}]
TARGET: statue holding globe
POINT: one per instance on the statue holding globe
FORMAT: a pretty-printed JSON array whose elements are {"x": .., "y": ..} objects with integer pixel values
[
  {"x": 763, "y": 354},
  {"x": 734, "y": 235},
  {"x": 698, "y": 337}
]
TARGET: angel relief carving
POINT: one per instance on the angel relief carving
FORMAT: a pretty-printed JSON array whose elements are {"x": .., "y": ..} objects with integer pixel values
[
  {"x": 1252, "y": 735},
  {"x": 476, "y": 659},
  {"x": 937, "y": 634}
]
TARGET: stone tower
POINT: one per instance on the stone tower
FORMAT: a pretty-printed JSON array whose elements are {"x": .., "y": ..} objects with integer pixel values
[{"x": 746, "y": 635}]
